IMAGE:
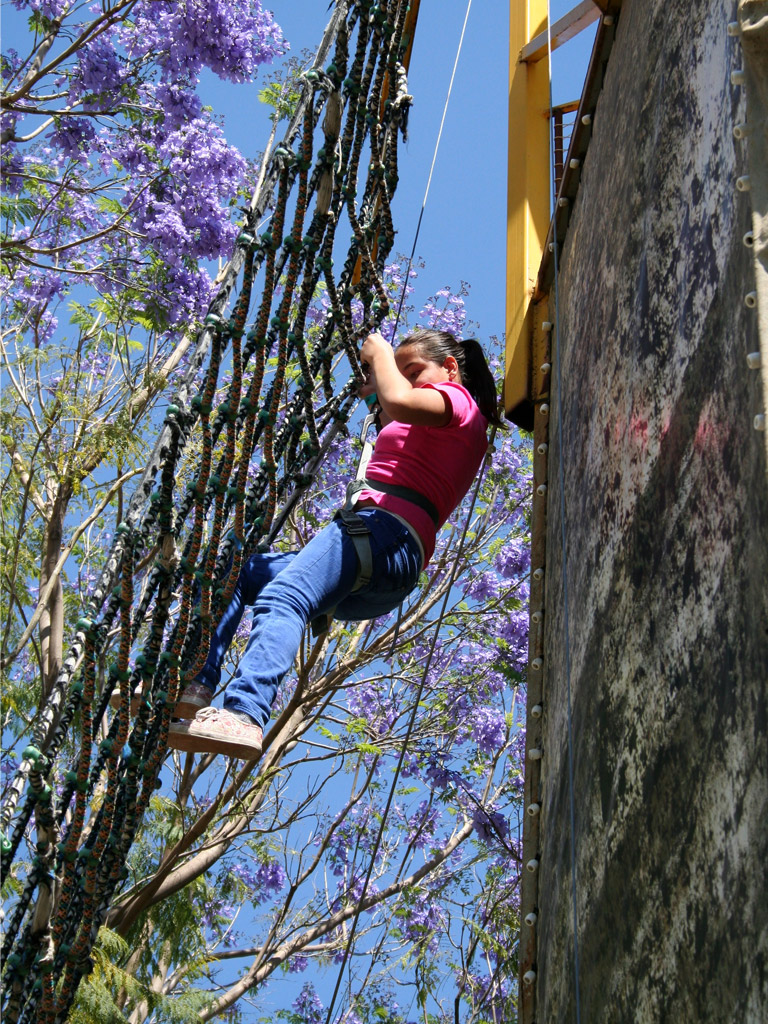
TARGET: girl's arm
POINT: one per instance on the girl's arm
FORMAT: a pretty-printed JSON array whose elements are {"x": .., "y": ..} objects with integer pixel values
[{"x": 398, "y": 398}]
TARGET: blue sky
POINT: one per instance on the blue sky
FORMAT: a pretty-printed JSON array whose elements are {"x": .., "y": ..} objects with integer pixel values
[{"x": 463, "y": 230}]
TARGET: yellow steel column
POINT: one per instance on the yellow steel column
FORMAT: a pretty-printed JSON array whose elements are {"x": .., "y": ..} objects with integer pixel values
[{"x": 528, "y": 190}]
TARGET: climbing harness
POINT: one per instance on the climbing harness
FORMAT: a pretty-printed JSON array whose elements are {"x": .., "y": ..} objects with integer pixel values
[{"x": 356, "y": 526}]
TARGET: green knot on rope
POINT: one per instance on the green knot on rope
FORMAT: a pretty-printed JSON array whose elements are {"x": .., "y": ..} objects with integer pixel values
[
  {"x": 43, "y": 795},
  {"x": 246, "y": 239},
  {"x": 215, "y": 485},
  {"x": 312, "y": 76},
  {"x": 66, "y": 855},
  {"x": 85, "y": 625},
  {"x": 325, "y": 263},
  {"x": 86, "y": 853},
  {"x": 278, "y": 323},
  {"x": 204, "y": 408},
  {"x": 107, "y": 747},
  {"x": 71, "y": 779},
  {"x": 173, "y": 409},
  {"x": 170, "y": 658},
  {"x": 310, "y": 243},
  {"x": 121, "y": 674},
  {"x": 303, "y": 163},
  {"x": 284, "y": 155},
  {"x": 5, "y": 845},
  {"x": 146, "y": 664},
  {"x": 291, "y": 243},
  {"x": 268, "y": 241},
  {"x": 257, "y": 339},
  {"x": 34, "y": 755},
  {"x": 123, "y": 529},
  {"x": 236, "y": 494},
  {"x": 333, "y": 72},
  {"x": 215, "y": 321},
  {"x": 351, "y": 86}
]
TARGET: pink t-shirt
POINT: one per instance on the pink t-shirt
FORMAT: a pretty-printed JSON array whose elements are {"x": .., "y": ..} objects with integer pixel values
[{"x": 438, "y": 462}]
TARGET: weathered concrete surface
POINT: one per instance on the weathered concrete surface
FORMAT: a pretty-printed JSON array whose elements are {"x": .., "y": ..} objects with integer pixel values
[
  {"x": 753, "y": 25},
  {"x": 667, "y": 554}
]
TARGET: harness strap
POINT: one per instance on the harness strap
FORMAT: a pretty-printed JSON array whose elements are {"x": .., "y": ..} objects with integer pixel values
[
  {"x": 397, "y": 491},
  {"x": 355, "y": 526}
]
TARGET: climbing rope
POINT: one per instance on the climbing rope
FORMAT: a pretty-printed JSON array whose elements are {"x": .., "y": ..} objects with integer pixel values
[{"x": 258, "y": 394}]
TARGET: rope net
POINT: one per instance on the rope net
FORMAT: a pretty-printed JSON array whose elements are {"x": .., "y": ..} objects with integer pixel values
[{"x": 259, "y": 407}]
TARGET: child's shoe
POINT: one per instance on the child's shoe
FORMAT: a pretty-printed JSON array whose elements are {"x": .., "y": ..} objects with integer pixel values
[
  {"x": 194, "y": 698},
  {"x": 217, "y": 731}
]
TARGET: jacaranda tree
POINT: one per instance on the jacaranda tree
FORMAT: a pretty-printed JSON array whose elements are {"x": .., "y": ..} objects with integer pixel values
[{"x": 375, "y": 843}]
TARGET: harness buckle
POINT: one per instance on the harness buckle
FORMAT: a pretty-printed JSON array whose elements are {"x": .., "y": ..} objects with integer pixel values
[{"x": 355, "y": 526}]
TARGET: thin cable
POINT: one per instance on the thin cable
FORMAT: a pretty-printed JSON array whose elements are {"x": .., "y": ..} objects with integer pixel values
[
  {"x": 411, "y": 723},
  {"x": 438, "y": 623},
  {"x": 431, "y": 170},
  {"x": 561, "y": 478}
]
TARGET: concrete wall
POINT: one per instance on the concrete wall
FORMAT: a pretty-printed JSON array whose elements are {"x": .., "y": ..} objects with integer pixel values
[{"x": 667, "y": 554}]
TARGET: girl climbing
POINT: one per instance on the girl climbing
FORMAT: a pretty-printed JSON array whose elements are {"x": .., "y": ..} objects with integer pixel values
[{"x": 437, "y": 397}]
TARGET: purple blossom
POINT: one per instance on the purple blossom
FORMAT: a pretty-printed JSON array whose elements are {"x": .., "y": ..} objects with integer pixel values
[
  {"x": 514, "y": 559},
  {"x": 489, "y": 826},
  {"x": 231, "y": 37},
  {"x": 308, "y": 1005},
  {"x": 489, "y": 730},
  {"x": 73, "y": 136},
  {"x": 367, "y": 702},
  {"x": 424, "y": 920},
  {"x": 422, "y": 825}
]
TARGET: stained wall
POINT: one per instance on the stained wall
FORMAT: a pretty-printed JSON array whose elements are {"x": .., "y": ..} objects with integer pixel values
[{"x": 666, "y": 554}]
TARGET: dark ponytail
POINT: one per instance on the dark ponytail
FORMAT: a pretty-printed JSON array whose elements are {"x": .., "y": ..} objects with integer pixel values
[{"x": 476, "y": 377}]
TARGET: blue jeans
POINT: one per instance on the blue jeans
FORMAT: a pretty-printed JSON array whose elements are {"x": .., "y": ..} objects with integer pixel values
[{"x": 286, "y": 591}]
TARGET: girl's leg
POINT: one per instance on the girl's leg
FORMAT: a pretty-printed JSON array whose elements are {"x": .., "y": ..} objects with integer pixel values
[
  {"x": 255, "y": 573},
  {"x": 318, "y": 579},
  {"x": 314, "y": 581}
]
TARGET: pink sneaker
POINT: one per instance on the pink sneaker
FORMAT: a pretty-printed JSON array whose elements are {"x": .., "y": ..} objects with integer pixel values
[
  {"x": 216, "y": 731},
  {"x": 193, "y": 698}
]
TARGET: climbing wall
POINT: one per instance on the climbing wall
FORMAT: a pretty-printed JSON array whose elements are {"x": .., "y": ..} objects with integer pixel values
[{"x": 666, "y": 553}]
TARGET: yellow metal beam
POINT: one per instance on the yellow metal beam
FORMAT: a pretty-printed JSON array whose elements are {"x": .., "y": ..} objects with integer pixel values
[
  {"x": 575, "y": 21},
  {"x": 528, "y": 188}
]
